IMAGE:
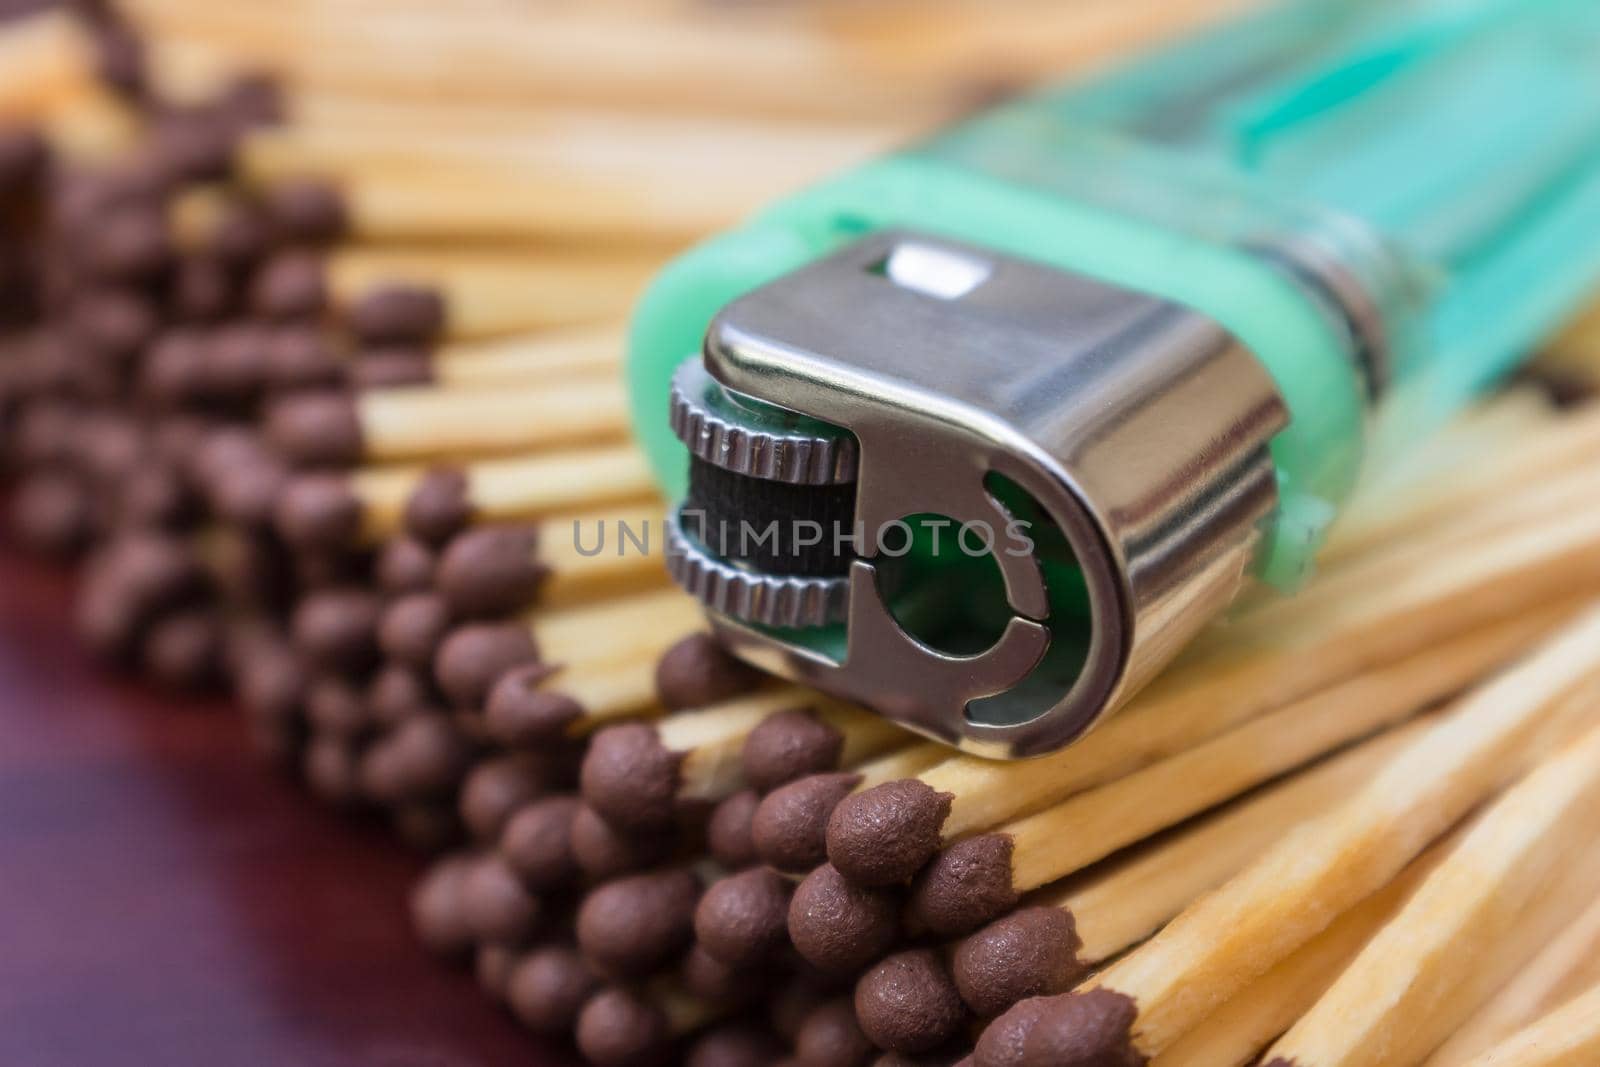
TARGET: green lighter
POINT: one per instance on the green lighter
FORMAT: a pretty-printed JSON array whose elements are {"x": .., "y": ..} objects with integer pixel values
[{"x": 982, "y": 433}]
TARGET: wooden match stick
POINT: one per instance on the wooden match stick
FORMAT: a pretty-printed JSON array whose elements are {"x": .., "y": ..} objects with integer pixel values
[
  {"x": 1235, "y": 1033},
  {"x": 411, "y": 424},
  {"x": 370, "y": 504},
  {"x": 45, "y": 60},
  {"x": 789, "y": 826},
  {"x": 555, "y": 355},
  {"x": 636, "y": 775},
  {"x": 623, "y": 630},
  {"x": 977, "y": 878},
  {"x": 1562, "y": 969},
  {"x": 496, "y": 570},
  {"x": 1218, "y": 687},
  {"x": 1152, "y": 996},
  {"x": 1566, "y": 1037},
  {"x": 1451, "y": 945}
]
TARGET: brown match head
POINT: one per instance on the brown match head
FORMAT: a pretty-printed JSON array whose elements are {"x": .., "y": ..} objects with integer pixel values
[
  {"x": 521, "y": 713},
  {"x": 472, "y": 658},
  {"x": 203, "y": 289},
  {"x": 623, "y": 1028},
  {"x": 397, "y": 313},
  {"x": 637, "y": 924},
  {"x": 388, "y": 368},
  {"x": 184, "y": 651},
  {"x": 113, "y": 325},
  {"x": 697, "y": 671},
  {"x": 318, "y": 511},
  {"x": 956, "y": 1054},
  {"x": 537, "y": 843},
  {"x": 737, "y": 1044},
  {"x": 840, "y": 927},
  {"x": 24, "y": 153},
  {"x": 789, "y": 745},
  {"x": 743, "y": 920},
  {"x": 398, "y": 692},
  {"x": 307, "y": 210},
  {"x": 413, "y": 627},
  {"x": 491, "y": 570},
  {"x": 1090, "y": 1029},
  {"x": 706, "y": 977},
  {"x": 237, "y": 365},
  {"x": 436, "y": 910},
  {"x": 241, "y": 234},
  {"x": 173, "y": 369},
  {"x": 884, "y": 835},
  {"x": 421, "y": 757},
  {"x": 496, "y": 788},
  {"x": 1030, "y": 953},
  {"x": 829, "y": 1034},
  {"x": 249, "y": 492},
  {"x": 630, "y": 778},
  {"x": 272, "y": 681},
  {"x": 439, "y": 507},
  {"x": 332, "y": 769},
  {"x": 53, "y": 514},
  {"x": 548, "y": 987},
  {"x": 966, "y": 885},
  {"x": 321, "y": 429},
  {"x": 603, "y": 852},
  {"x": 908, "y": 1003},
  {"x": 790, "y": 825},
  {"x": 291, "y": 285},
  {"x": 491, "y": 965},
  {"x": 131, "y": 244},
  {"x": 337, "y": 629},
  {"x": 405, "y": 565},
  {"x": 301, "y": 357},
  {"x": 494, "y": 902},
  {"x": 728, "y": 836}
]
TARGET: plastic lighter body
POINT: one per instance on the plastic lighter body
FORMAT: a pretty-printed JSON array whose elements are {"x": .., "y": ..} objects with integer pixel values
[{"x": 1386, "y": 204}]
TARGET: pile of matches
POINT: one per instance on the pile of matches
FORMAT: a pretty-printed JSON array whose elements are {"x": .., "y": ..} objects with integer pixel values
[{"x": 314, "y": 374}]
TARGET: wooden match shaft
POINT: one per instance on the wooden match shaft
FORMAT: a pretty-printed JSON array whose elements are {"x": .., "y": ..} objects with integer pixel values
[
  {"x": 1236, "y": 1032},
  {"x": 635, "y": 774},
  {"x": 624, "y": 628},
  {"x": 1567, "y": 965},
  {"x": 1060, "y": 840},
  {"x": 1429, "y": 967},
  {"x": 370, "y": 504},
  {"x": 411, "y": 424},
  {"x": 1209, "y": 693},
  {"x": 1295, "y": 890},
  {"x": 558, "y": 561},
  {"x": 1049, "y": 945},
  {"x": 572, "y": 352},
  {"x": 1567, "y": 1037}
]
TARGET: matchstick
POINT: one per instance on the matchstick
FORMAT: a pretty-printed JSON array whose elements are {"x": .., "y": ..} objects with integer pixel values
[
  {"x": 366, "y": 505},
  {"x": 636, "y": 774},
  {"x": 562, "y": 560},
  {"x": 789, "y": 827},
  {"x": 1049, "y": 945},
  {"x": 633, "y": 629},
  {"x": 1216, "y": 946},
  {"x": 531, "y": 706},
  {"x": 972, "y": 881},
  {"x": 412, "y": 424},
  {"x": 1566, "y": 1037},
  {"x": 1430, "y": 966},
  {"x": 561, "y": 355},
  {"x": 885, "y": 835},
  {"x": 1561, "y": 969},
  {"x": 467, "y": 295},
  {"x": 1237, "y": 1032}
]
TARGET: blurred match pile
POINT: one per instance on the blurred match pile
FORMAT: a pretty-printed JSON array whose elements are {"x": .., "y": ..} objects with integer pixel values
[{"x": 310, "y": 331}]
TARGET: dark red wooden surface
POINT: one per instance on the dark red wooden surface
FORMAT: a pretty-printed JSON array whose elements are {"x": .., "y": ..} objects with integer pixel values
[{"x": 165, "y": 899}]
